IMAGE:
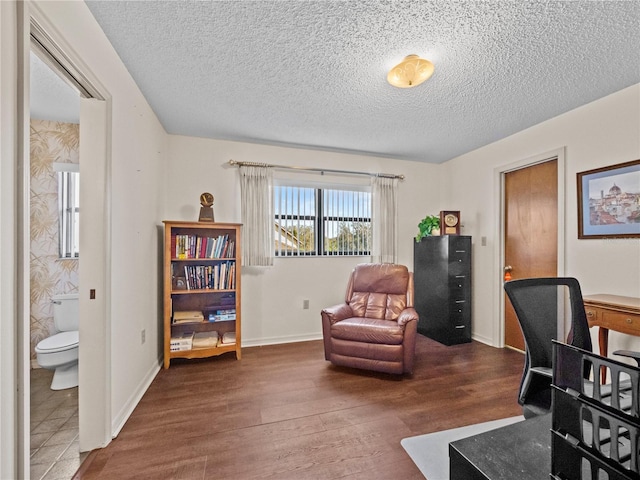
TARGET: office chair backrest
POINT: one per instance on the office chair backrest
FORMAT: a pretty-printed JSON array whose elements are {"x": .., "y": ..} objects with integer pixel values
[{"x": 538, "y": 303}]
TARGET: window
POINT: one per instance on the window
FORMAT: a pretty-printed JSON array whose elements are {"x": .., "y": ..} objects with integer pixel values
[
  {"x": 69, "y": 212},
  {"x": 322, "y": 221}
]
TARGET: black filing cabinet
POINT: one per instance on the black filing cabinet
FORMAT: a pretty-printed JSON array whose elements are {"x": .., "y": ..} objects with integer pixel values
[{"x": 442, "y": 276}]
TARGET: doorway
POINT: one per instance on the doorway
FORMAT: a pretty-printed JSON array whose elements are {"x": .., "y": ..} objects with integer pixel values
[
  {"x": 54, "y": 146},
  {"x": 93, "y": 405},
  {"x": 532, "y": 229}
]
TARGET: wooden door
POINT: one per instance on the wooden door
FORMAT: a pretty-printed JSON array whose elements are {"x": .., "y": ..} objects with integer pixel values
[{"x": 531, "y": 231}]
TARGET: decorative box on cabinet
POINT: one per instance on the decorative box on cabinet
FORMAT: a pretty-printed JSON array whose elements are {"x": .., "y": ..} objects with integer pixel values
[
  {"x": 201, "y": 274},
  {"x": 442, "y": 276}
]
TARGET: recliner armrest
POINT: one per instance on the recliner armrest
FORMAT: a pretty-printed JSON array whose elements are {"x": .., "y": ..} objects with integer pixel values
[
  {"x": 337, "y": 312},
  {"x": 407, "y": 315}
]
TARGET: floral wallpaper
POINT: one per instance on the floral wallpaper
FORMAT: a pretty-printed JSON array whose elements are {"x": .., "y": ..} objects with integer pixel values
[{"x": 50, "y": 142}]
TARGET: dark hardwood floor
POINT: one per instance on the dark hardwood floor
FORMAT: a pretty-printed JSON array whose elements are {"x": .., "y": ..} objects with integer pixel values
[{"x": 283, "y": 412}]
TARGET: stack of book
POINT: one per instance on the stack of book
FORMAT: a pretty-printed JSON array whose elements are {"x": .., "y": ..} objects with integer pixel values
[
  {"x": 223, "y": 314},
  {"x": 181, "y": 341},
  {"x": 205, "y": 339},
  {"x": 187, "y": 317},
  {"x": 228, "y": 338}
]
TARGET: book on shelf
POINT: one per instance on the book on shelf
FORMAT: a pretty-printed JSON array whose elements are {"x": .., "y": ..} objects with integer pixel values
[
  {"x": 181, "y": 341},
  {"x": 196, "y": 246},
  {"x": 228, "y": 338},
  {"x": 205, "y": 339},
  {"x": 187, "y": 316},
  {"x": 221, "y": 314},
  {"x": 223, "y": 305},
  {"x": 220, "y": 276},
  {"x": 221, "y": 317}
]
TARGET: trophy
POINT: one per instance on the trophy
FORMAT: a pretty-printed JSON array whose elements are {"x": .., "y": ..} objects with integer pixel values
[{"x": 206, "y": 210}]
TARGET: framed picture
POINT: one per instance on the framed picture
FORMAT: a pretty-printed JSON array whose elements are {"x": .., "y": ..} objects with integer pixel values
[
  {"x": 609, "y": 201},
  {"x": 179, "y": 283}
]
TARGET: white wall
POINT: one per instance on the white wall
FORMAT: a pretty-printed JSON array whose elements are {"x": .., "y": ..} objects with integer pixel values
[
  {"x": 601, "y": 133},
  {"x": 272, "y": 296}
]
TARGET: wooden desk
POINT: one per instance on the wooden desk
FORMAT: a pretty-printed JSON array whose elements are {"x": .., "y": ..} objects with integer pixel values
[{"x": 612, "y": 312}]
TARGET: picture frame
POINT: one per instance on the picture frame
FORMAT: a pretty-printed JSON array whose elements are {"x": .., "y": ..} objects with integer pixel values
[
  {"x": 609, "y": 201},
  {"x": 179, "y": 283}
]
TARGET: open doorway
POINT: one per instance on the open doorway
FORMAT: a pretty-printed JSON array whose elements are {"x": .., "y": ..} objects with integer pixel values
[
  {"x": 92, "y": 407},
  {"x": 54, "y": 163}
]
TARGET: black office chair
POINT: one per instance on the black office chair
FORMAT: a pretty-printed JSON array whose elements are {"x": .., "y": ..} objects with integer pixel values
[{"x": 539, "y": 303}]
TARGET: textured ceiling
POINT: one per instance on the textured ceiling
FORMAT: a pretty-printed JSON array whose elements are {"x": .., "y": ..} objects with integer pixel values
[{"x": 313, "y": 73}]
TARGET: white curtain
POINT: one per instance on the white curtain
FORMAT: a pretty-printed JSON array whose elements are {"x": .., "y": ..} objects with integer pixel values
[
  {"x": 256, "y": 187},
  {"x": 384, "y": 220}
]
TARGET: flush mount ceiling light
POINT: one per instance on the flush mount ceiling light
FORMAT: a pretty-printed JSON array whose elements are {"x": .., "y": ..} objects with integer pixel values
[{"x": 412, "y": 71}]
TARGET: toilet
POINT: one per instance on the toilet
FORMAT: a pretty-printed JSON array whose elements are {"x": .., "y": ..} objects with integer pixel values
[{"x": 59, "y": 352}]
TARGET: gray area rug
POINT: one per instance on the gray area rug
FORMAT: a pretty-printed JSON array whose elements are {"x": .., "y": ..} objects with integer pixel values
[{"x": 430, "y": 452}]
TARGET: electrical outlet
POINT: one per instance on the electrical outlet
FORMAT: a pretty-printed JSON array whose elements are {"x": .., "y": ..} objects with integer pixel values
[
  {"x": 143, "y": 336},
  {"x": 305, "y": 304}
]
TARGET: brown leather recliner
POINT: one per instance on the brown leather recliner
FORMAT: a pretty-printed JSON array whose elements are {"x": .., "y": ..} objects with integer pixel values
[{"x": 375, "y": 329}]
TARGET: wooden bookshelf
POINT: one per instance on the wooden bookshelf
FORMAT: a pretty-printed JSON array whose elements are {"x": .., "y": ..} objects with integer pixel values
[{"x": 201, "y": 273}]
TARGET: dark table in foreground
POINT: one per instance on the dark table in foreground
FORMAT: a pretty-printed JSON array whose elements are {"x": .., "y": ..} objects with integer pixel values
[{"x": 520, "y": 451}]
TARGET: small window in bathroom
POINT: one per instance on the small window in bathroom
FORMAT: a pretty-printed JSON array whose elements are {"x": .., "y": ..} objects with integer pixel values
[{"x": 69, "y": 208}]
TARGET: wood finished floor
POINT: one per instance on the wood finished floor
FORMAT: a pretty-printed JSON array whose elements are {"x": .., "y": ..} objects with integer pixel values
[{"x": 283, "y": 412}]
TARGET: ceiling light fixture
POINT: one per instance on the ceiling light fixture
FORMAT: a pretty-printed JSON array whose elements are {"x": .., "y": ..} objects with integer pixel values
[{"x": 412, "y": 71}]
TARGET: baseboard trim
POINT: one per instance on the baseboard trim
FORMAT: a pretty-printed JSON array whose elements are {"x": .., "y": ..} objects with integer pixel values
[
  {"x": 123, "y": 415},
  {"x": 481, "y": 339},
  {"x": 260, "y": 342}
]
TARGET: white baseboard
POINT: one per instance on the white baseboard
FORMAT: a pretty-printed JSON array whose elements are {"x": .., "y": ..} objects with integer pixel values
[
  {"x": 259, "y": 342},
  {"x": 481, "y": 339},
  {"x": 123, "y": 415}
]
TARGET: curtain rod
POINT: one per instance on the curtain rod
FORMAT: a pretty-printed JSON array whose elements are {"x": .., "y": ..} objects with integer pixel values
[{"x": 316, "y": 170}]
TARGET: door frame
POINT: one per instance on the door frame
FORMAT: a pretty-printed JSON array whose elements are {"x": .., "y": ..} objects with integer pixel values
[
  {"x": 499, "y": 200},
  {"x": 95, "y": 429}
]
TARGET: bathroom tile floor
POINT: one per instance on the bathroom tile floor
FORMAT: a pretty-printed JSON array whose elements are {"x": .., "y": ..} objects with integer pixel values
[{"x": 55, "y": 452}]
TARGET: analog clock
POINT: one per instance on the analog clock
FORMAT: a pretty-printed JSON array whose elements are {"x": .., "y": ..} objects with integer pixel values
[{"x": 450, "y": 220}]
